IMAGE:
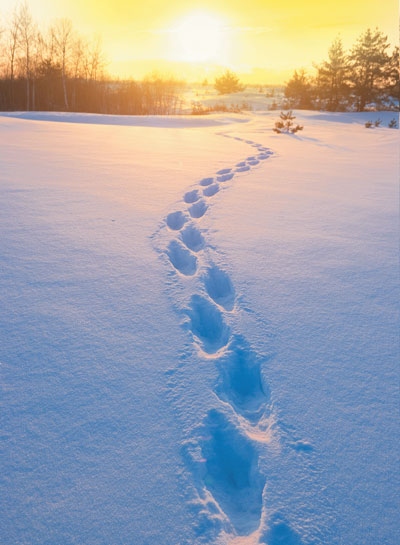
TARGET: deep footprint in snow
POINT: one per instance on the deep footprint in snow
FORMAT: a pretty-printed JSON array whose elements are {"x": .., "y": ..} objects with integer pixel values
[
  {"x": 253, "y": 162},
  {"x": 176, "y": 220},
  {"x": 241, "y": 382},
  {"x": 191, "y": 196},
  {"x": 231, "y": 472},
  {"x": 224, "y": 171},
  {"x": 207, "y": 324},
  {"x": 192, "y": 238},
  {"x": 206, "y": 181},
  {"x": 219, "y": 287},
  {"x": 211, "y": 190},
  {"x": 279, "y": 532},
  {"x": 243, "y": 168},
  {"x": 198, "y": 209},
  {"x": 183, "y": 260},
  {"x": 225, "y": 177}
]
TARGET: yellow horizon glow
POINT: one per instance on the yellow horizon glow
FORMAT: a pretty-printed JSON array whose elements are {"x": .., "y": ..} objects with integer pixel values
[{"x": 256, "y": 36}]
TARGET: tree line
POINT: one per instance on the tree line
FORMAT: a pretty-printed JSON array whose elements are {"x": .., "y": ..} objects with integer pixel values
[
  {"x": 365, "y": 77},
  {"x": 59, "y": 70}
]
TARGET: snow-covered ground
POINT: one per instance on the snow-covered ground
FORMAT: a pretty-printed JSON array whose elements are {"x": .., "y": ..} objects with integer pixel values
[{"x": 199, "y": 330}]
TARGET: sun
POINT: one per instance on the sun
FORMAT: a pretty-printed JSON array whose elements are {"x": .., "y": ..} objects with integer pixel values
[{"x": 199, "y": 37}]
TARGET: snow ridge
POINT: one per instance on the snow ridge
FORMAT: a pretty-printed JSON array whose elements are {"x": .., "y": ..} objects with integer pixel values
[{"x": 223, "y": 451}]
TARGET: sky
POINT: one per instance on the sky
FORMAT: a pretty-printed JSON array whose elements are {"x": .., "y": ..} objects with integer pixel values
[{"x": 249, "y": 36}]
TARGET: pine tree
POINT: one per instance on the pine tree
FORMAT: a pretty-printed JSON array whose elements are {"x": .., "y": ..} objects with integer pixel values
[
  {"x": 286, "y": 125},
  {"x": 393, "y": 76},
  {"x": 299, "y": 91},
  {"x": 331, "y": 85},
  {"x": 228, "y": 83},
  {"x": 369, "y": 62}
]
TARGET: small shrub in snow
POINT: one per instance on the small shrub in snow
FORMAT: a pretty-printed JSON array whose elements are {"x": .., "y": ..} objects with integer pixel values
[
  {"x": 286, "y": 124},
  {"x": 198, "y": 108},
  {"x": 393, "y": 123},
  {"x": 372, "y": 124}
]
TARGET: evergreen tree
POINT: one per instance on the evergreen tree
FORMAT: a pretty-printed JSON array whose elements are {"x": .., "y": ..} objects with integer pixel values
[
  {"x": 286, "y": 124},
  {"x": 228, "y": 83},
  {"x": 299, "y": 90},
  {"x": 393, "y": 76},
  {"x": 369, "y": 62},
  {"x": 331, "y": 83}
]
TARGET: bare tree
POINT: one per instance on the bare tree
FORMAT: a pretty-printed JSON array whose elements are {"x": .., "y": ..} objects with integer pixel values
[
  {"x": 77, "y": 66},
  {"x": 63, "y": 39},
  {"x": 10, "y": 48},
  {"x": 95, "y": 59},
  {"x": 27, "y": 33}
]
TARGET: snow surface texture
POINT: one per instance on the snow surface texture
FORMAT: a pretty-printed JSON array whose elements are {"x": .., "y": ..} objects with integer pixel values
[{"x": 262, "y": 409}]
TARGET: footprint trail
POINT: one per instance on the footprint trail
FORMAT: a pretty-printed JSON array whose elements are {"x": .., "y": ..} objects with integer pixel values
[{"x": 223, "y": 451}]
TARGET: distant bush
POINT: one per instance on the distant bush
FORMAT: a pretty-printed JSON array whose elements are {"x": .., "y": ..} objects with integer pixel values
[
  {"x": 200, "y": 109},
  {"x": 393, "y": 123},
  {"x": 228, "y": 83},
  {"x": 286, "y": 125},
  {"x": 372, "y": 124}
]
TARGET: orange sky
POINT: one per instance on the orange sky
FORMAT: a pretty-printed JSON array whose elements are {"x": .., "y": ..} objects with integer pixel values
[{"x": 273, "y": 35}]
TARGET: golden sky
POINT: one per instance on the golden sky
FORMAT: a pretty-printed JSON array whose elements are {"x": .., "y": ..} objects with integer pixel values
[{"x": 244, "y": 35}]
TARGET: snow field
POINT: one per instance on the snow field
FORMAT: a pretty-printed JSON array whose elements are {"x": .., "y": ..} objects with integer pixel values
[{"x": 229, "y": 379}]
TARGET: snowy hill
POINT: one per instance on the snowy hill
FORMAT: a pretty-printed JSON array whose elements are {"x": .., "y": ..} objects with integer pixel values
[{"x": 199, "y": 336}]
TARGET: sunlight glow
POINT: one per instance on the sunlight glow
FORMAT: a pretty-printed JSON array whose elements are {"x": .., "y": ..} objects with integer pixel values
[{"x": 199, "y": 37}]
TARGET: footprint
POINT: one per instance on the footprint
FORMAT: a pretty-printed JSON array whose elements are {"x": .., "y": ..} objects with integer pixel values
[
  {"x": 231, "y": 472},
  {"x": 241, "y": 383},
  {"x": 243, "y": 169},
  {"x": 253, "y": 162},
  {"x": 176, "y": 220},
  {"x": 241, "y": 164},
  {"x": 192, "y": 238},
  {"x": 206, "y": 181},
  {"x": 224, "y": 171},
  {"x": 302, "y": 446},
  {"x": 183, "y": 260},
  {"x": 279, "y": 532},
  {"x": 207, "y": 324},
  {"x": 191, "y": 196},
  {"x": 211, "y": 190},
  {"x": 198, "y": 209},
  {"x": 225, "y": 177},
  {"x": 219, "y": 287}
]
